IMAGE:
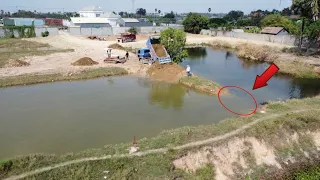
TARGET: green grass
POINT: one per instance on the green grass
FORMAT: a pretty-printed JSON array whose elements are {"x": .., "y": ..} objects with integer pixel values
[
  {"x": 267, "y": 130},
  {"x": 201, "y": 84},
  {"x": 86, "y": 74},
  {"x": 310, "y": 174}
]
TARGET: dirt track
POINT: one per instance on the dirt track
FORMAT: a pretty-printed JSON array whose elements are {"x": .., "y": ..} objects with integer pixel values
[{"x": 153, "y": 151}]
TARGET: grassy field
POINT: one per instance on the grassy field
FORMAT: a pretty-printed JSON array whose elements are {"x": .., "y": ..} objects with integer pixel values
[
  {"x": 15, "y": 49},
  {"x": 159, "y": 166},
  {"x": 86, "y": 74}
]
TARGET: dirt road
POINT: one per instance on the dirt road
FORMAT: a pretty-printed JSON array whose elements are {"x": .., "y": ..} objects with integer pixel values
[
  {"x": 161, "y": 150},
  {"x": 61, "y": 62}
]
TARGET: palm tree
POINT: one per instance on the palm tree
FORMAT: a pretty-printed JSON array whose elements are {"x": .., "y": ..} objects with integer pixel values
[
  {"x": 209, "y": 10},
  {"x": 159, "y": 11}
]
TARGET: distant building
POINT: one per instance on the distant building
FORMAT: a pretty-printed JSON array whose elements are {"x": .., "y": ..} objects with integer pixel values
[
  {"x": 274, "y": 31},
  {"x": 23, "y": 22},
  {"x": 112, "y": 18},
  {"x": 131, "y": 22},
  {"x": 90, "y": 22},
  {"x": 91, "y": 12}
]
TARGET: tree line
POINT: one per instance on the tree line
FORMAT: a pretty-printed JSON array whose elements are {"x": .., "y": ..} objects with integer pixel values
[{"x": 35, "y": 14}]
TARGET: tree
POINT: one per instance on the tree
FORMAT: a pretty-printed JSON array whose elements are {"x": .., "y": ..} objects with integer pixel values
[
  {"x": 195, "y": 22},
  {"x": 217, "y": 21},
  {"x": 170, "y": 15},
  {"x": 159, "y": 11},
  {"x": 141, "y": 12},
  {"x": 286, "y": 12},
  {"x": 307, "y": 8},
  {"x": 209, "y": 10},
  {"x": 132, "y": 30},
  {"x": 312, "y": 32},
  {"x": 174, "y": 41},
  {"x": 233, "y": 15},
  {"x": 276, "y": 20}
]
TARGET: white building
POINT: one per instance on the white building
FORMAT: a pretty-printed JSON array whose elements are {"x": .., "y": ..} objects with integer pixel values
[
  {"x": 91, "y": 12},
  {"x": 113, "y": 19},
  {"x": 89, "y": 22}
]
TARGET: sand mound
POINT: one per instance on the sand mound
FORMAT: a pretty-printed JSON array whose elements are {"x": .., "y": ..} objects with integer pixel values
[
  {"x": 116, "y": 46},
  {"x": 159, "y": 49},
  {"x": 169, "y": 72},
  {"x": 85, "y": 61},
  {"x": 16, "y": 63}
]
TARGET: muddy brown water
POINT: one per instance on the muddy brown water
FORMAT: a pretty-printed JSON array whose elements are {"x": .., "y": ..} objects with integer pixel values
[{"x": 66, "y": 117}]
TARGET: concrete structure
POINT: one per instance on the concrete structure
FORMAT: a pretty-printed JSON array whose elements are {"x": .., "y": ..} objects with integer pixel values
[
  {"x": 90, "y": 22},
  {"x": 91, "y": 12},
  {"x": 38, "y": 30},
  {"x": 23, "y": 22},
  {"x": 275, "y": 31},
  {"x": 128, "y": 22},
  {"x": 113, "y": 19}
]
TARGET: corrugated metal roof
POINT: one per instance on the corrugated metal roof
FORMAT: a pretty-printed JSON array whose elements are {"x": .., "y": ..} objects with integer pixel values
[
  {"x": 128, "y": 20},
  {"x": 80, "y": 20},
  {"x": 91, "y": 8},
  {"x": 109, "y": 15},
  {"x": 271, "y": 30}
]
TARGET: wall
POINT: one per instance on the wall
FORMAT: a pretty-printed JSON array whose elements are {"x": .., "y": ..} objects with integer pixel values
[
  {"x": 280, "y": 39},
  {"x": 104, "y": 31},
  {"x": 38, "y": 30},
  {"x": 92, "y": 25},
  {"x": 115, "y": 30}
]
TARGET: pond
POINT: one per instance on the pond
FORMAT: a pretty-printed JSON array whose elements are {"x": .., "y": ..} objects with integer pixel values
[
  {"x": 66, "y": 117},
  {"x": 227, "y": 69}
]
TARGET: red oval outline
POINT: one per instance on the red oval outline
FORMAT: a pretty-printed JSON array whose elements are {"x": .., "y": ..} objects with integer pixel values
[{"x": 242, "y": 90}]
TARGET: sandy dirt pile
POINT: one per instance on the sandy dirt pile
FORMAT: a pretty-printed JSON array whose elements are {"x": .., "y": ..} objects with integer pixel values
[
  {"x": 160, "y": 50},
  {"x": 16, "y": 63},
  {"x": 116, "y": 46},
  {"x": 169, "y": 72},
  {"x": 85, "y": 61}
]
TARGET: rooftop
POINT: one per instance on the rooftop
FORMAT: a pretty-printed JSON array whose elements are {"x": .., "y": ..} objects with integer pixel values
[
  {"x": 130, "y": 20},
  {"x": 110, "y": 15},
  {"x": 271, "y": 30},
  {"x": 82, "y": 20},
  {"x": 91, "y": 8}
]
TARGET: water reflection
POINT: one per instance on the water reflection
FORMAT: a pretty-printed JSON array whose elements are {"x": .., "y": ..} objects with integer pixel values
[
  {"x": 228, "y": 55},
  {"x": 197, "y": 53},
  {"x": 167, "y": 95}
]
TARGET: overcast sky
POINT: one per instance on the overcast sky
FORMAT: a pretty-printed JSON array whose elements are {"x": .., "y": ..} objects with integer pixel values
[{"x": 179, "y": 6}]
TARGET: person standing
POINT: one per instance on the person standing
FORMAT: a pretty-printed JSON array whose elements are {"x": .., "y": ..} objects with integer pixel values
[
  {"x": 188, "y": 70},
  {"x": 127, "y": 55}
]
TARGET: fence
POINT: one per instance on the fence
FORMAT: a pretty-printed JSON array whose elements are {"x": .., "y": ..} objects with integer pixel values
[
  {"x": 280, "y": 39},
  {"x": 38, "y": 31}
]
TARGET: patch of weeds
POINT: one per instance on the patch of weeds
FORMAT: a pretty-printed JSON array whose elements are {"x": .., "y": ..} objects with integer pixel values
[{"x": 207, "y": 172}]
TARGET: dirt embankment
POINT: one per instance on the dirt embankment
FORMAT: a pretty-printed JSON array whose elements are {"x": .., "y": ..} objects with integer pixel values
[
  {"x": 174, "y": 73},
  {"x": 169, "y": 72}
]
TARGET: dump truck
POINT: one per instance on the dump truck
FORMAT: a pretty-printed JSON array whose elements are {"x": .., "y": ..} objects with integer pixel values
[
  {"x": 157, "y": 50},
  {"x": 126, "y": 37}
]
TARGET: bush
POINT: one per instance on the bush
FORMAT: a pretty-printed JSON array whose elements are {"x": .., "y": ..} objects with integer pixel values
[
  {"x": 132, "y": 30},
  {"x": 45, "y": 34},
  {"x": 276, "y": 20}
]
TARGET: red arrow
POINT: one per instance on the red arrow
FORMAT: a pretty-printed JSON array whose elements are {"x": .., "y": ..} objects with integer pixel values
[{"x": 261, "y": 81}]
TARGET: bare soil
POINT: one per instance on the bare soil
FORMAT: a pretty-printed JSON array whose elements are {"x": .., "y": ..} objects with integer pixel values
[
  {"x": 159, "y": 49},
  {"x": 16, "y": 63},
  {"x": 85, "y": 61},
  {"x": 169, "y": 72}
]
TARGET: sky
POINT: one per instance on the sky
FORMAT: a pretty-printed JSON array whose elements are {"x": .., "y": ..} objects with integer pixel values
[{"x": 179, "y": 6}]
